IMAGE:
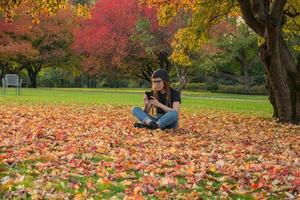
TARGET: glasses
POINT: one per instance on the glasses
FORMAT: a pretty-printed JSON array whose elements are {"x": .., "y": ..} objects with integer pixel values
[{"x": 157, "y": 81}]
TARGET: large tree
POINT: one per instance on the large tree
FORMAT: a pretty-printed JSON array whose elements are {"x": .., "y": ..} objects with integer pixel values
[
  {"x": 268, "y": 18},
  {"x": 104, "y": 39},
  {"x": 123, "y": 35},
  {"x": 33, "y": 46}
]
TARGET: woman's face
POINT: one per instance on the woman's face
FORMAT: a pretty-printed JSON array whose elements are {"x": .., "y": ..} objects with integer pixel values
[{"x": 158, "y": 84}]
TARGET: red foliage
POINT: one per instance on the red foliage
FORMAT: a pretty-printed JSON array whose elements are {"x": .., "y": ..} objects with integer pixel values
[
  {"x": 10, "y": 47},
  {"x": 224, "y": 27},
  {"x": 16, "y": 38},
  {"x": 106, "y": 36}
]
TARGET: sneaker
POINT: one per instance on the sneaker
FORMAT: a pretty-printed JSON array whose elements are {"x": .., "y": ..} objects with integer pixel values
[
  {"x": 153, "y": 125},
  {"x": 139, "y": 125}
]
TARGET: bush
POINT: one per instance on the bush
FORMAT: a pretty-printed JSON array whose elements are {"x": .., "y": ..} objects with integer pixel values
[
  {"x": 259, "y": 89},
  {"x": 212, "y": 87},
  {"x": 215, "y": 87},
  {"x": 240, "y": 89},
  {"x": 191, "y": 86},
  {"x": 234, "y": 89},
  {"x": 113, "y": 84},
  {"x": 196, "y": 86},
  {"x": 55, "y": 77},
  {"x": 133, "y": 84}
]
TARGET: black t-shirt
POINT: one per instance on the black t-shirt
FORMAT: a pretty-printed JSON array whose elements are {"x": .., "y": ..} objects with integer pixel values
[{"x": 175, "y": 96}]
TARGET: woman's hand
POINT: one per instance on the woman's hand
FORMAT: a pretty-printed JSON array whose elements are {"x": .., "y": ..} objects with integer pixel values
[{"x": 154, "y": 102}]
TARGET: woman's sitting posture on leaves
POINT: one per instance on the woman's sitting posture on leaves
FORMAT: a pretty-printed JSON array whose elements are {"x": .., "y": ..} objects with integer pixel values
[{"x": 163, "y": 100}]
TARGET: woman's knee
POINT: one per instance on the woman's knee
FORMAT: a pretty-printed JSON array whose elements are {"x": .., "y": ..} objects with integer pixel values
[
  {"x": 135, "y": 109},
  {"x": 173, "y": 113}
]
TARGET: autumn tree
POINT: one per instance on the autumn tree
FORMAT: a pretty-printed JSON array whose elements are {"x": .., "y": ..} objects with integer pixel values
[
  {"x": 135, "y": 45},
  {"x": 11, "y": 51},
  {"x": 34, "y": 46},
  {"x": 104, "y": 39},
  {"x": 269, "y": 19},
  {"x": 156, "y": 42}
]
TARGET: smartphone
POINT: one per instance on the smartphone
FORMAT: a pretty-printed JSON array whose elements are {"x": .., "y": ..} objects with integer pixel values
[{"x": 149, "y": 94}]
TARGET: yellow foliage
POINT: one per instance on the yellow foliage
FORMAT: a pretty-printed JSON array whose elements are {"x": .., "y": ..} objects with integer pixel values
[
  {"x": 296, "y": 48},
  {"x": 260, "y": 41},
  {"x": 166, "y": 13},
  {"x": 36, "y": 6},
  {"x": 203, "y": 15},
  {"x": 181, "y": 58},
  {"x": 82, "y": 10}
]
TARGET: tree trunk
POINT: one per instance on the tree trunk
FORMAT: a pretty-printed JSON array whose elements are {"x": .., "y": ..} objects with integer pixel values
[
  {"x": 78, "y": 81},
  {"x": 245, "y": 68},
  {"x": 2, "y": 69},
  {"x": 33, "y": 71},
  {"x": 246, "y": 78},
  {"x": 283, "y": 75},
  {"x": 164, "y": 61},
  {"x": 282, "y": 80},
  {"x": 32, "y": 76}
]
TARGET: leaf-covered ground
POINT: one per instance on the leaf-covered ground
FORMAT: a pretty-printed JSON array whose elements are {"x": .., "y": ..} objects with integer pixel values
[{"x": 93, "y": 152}]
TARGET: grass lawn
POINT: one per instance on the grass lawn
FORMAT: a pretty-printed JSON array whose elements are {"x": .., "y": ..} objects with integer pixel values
[{"x": 191, "y": 101}]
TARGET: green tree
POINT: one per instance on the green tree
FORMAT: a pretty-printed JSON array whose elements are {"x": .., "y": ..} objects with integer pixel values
[{"x": 237, "y": 57}]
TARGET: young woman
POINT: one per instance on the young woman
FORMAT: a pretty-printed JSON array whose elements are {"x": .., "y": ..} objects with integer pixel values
[{"x": 164, "y": 101}]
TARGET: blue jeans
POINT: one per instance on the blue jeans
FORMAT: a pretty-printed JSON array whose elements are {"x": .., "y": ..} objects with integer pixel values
[{"x": 167, "y": 120}]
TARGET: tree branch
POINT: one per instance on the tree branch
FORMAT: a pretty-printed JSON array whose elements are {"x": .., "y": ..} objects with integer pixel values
[
  {"x": 277, "y": 7},
  {"x": 139, "y": 76},
  {"x": 248, "y": 16},
  {"x": 231, "y": 76},
  {"x": 258, "y": 9}
]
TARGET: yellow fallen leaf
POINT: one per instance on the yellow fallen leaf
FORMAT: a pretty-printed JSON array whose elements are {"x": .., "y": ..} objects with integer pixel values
[{"x": 78, "y": 196}]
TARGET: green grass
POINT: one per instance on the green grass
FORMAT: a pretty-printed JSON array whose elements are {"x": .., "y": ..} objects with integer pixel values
[{"x": 191, "y": 101}]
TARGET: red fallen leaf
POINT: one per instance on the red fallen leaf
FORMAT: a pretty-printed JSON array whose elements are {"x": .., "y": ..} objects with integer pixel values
[
  {"x": 225, "y": 188},
  {"x": 150, "y": 189},
  {"x": 150, "y": 180},
  {"x": 137, "y": 190},
  {"x": 75, "y": 163},
  {"x": 296, "y": 182},
  {"x": 93, "y": 148},
  {"x": 71, "y": 149},
  {"x": 29, "y": 137},
  {"x": 167, "y": 181},
  {"x": 256, "y": 185},
  {"x": 40, "y": 132},
  {"x": 90, "y": 184},
  {"x": 59, "y": 135},
  {"x": 3, "y": 156},
  {"x": 274, "y": 170},
  {"x": 106, "y": 164}
]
